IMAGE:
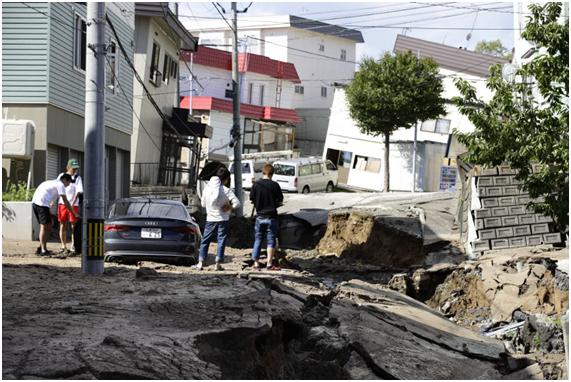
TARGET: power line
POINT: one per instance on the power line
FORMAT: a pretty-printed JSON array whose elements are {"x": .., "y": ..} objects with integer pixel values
[
  {"x": 216, "y": 5},
  {"x": 130, "y": 104}
]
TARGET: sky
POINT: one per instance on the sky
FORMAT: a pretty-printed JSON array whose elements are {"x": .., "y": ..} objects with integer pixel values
[{"x": 433, "y": 21}]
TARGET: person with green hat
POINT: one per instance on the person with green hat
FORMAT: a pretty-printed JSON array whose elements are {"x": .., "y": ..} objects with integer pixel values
[{"x": 74, "y": 194}]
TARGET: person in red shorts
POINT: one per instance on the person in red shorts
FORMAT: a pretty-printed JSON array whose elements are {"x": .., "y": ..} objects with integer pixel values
[{"x": 73, "y": 192}]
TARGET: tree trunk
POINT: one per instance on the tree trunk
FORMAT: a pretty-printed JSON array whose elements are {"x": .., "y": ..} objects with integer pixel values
[{"x": 387, "y": 152}]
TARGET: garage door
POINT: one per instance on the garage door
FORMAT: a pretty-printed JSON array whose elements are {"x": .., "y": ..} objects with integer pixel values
[{"x": 53, "y": 162}]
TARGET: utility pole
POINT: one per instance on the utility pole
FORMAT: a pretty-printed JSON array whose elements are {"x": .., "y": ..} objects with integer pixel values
[
  {"x": 414, "y": 144},
  {"x": 236, "y": 130},
  {"x": 94, "y": 186}
]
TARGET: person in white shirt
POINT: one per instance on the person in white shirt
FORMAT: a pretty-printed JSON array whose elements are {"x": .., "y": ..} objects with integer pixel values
[
  {"x": 219, "y": 202},
  {"x": 47, "y": 193},
  {"x": 73, "y": 193}
]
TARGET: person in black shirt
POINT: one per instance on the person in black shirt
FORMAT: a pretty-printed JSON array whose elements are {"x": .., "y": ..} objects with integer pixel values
[{"x": 266, "y": 195}]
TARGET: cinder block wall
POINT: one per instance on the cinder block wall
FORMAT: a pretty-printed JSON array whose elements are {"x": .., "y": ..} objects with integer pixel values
[{"x": 502, "y": 218}]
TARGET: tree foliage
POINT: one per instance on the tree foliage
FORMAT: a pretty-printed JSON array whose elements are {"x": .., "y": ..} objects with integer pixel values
[
  {"x": 393, "y": 92},
  {"x": 494, "y": 48},
  {"x": 520, "y": 125}
]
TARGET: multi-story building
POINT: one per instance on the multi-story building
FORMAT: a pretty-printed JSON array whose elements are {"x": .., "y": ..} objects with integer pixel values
[
  {"x": 267, "y": 118},
  {"x": 157, "y": 144},
  {"x": 322, "y": 53},
  {"x": 43, "y": 74},
  {"x": 359, "y": 156}
]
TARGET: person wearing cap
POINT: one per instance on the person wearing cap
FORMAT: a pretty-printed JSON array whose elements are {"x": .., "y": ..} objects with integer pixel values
[
  {"x": 46, "y": 193},
  {"x": 73, "y": 193}
]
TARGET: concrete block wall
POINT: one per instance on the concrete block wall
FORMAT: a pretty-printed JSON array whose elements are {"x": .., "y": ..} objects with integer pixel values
[{"x": 503, "y": 220}]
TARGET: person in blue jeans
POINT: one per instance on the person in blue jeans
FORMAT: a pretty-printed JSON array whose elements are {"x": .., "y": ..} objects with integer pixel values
[
  {"x": 266, "y": 196},
  {"x": 219, "y": 202}
]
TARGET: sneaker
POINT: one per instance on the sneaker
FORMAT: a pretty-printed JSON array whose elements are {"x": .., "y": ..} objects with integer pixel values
[
  {"x": 197, "y": 267},
  {"x": 38, "y": 250},
  {"x": 63, "y": 251},
  {"x": 218, "y": 267},
  {"x": 47, "y": 253}
]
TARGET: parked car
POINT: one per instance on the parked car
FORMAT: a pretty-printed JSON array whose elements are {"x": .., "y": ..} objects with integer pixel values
[
  {"x": 251, "y": 171},
  {"x": 305, "y": 175},
  {"x": 141, "y": 229}
]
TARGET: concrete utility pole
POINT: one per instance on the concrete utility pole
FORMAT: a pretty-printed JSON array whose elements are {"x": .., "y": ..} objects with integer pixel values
[
  {"x": 236, "y": 130},
  {"x": 414, "y": 144},
  {"x": 94, "y": 175}
]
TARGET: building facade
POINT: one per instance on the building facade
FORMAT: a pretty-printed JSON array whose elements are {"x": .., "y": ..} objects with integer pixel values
[
  {"x": 161, "y": 132},
  {"x": 359, "y": 156},
  {"x": 43, "y": 73},
  {"x": 267, "y": 118},
  {"x": 322, "y": 53}
]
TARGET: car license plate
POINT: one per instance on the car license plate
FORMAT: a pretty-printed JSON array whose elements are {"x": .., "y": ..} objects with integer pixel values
[{"x": 151, "y": 233}]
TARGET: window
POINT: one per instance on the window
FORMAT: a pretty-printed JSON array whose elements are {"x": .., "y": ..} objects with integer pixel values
[
  {"x": 343, "y": 55},
  {"x": 149, "y": 208},
  {"x": 174, "y": 68},
  {"x": 305, "y": 170},
  {"x": 111, "y": 68},
  {"x": 284, "y": 169},
  {"x": 261, "y": 95},
  {"x": 80, "y": 43},
  {"x": 367, "y": 164},
  {"x": 440, "y": 126},
  {"x": 155, "y": 64},
  {"x": 321, "y": 48},
  {"x": 316, "y": 168},
  {"x": 331, "y": 166},
  {"x": 166, "y": 68},
  {"x": 298, "y": 89},
  {"x": 323, "y": 91}
]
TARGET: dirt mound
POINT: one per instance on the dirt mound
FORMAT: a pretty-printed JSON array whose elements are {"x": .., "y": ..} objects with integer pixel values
[{"x": 376, "y": 237}]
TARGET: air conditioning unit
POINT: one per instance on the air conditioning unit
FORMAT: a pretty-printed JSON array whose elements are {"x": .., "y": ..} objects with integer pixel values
[{"x": 18, "y": 139}]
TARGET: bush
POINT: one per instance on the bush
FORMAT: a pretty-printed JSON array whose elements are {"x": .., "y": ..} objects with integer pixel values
[{"x": 17, "y": 193}]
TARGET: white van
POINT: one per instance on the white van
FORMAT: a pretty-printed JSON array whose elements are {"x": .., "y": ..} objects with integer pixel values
[
  {"x": 305, "y": 175},
  {"x": 251, "y": 171}
]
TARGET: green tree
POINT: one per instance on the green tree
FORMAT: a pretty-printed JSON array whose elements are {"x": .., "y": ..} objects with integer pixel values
[
  {"x": 527, "y": 120},
  {"x": 393, "y": 92},
  {"x": 494, "y": 48}
]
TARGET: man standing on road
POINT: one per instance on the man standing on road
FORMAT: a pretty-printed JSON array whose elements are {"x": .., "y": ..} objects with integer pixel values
[
  {"x": 47, "y": 193},
  {"x": 74, "y": 193},
  {"x": 266, "y": 195},
  {"x": 219, "y": 201}
]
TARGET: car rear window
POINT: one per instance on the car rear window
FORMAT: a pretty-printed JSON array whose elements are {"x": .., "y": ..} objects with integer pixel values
[
  {"x": 245, "y": 168},
  {"x": 148, "y": 209},
  {"x": 284, "y": 169}
]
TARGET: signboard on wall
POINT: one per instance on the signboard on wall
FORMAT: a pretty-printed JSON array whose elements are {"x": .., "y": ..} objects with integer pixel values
[{"x": 448, "y": 175}]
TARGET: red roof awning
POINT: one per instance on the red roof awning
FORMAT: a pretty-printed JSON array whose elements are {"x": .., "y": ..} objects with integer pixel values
[{"x": 250, "y": 111}]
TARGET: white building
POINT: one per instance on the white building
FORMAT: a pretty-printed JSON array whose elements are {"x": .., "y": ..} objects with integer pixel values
[
  {"x": 267, "y": 118},
  {"x": 322, "y": 54},
  {"x": 359, "y": 156},
  {"x": 155, "y": 146}
]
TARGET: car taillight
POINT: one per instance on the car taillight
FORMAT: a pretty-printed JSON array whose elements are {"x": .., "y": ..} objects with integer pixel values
[
  {"x": 187, "y": 229},
  {"x": 115, "y": 228},
  {"x": 295, "y": 182}
]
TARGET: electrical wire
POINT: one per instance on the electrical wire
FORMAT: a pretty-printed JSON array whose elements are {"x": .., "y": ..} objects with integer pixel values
[
  {"x": 216, "y": 5},
  {"x": 129, "y": 103}
]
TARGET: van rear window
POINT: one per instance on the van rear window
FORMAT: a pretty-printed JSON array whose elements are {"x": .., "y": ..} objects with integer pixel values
[{"x": 284, "y": 169}]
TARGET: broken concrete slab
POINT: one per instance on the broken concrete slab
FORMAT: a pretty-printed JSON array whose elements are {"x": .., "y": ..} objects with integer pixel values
[
  {"x": 380, "y": 237},
  {"x": 532, "y": 372},
  {"x": 407, "y": 340}
]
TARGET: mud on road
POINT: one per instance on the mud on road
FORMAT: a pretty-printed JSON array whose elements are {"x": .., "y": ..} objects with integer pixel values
[{"x": 166, "y": 322}]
